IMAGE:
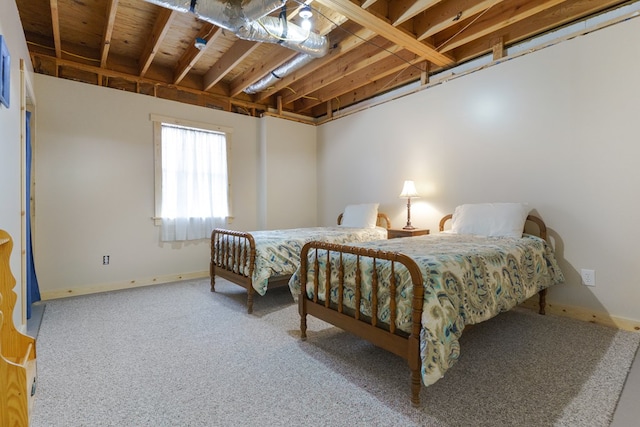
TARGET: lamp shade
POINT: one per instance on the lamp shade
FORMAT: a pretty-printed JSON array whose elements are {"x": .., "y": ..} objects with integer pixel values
[{"x": 409, "y": 190}]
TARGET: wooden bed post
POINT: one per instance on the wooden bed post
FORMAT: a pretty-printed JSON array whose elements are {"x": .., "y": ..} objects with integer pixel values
[
  {"x": 303, "y": 316},
  {"x": 250, "y": 292},
  {"x": 302, "y": 300},
  {"x": 413, "y": 346},
  {"x": 543, "y": 301},
  {"x": 212, "y": 273},
  {"x": 212, "y": 264},
  {"x": 542, "y": 232}
]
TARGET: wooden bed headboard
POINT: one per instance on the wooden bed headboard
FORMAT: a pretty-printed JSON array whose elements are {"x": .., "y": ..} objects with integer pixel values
[
  {"x": 542, "y": 228},
  {"x": 382, "y": 221}
]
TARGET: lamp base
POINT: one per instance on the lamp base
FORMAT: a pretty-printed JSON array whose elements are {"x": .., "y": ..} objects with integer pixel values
[{"x": 408, "y": 227}]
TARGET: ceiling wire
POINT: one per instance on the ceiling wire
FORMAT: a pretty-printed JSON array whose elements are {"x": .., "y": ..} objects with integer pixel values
[
  {"x": 395, "y": 78},
  {"x": 466, "y": 26},
  {"x": 213, "y": 27},
  {"x": 303, "y": 96},
  {"x": 63, "y": 51}
]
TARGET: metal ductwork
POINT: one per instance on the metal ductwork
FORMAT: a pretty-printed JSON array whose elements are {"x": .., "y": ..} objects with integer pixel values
[
  {"x": 232, "y": 14},
  {"x": 249, "y": 22},
  {"x": 275, "y": 30},
  {"x": 285, "y": 69}
]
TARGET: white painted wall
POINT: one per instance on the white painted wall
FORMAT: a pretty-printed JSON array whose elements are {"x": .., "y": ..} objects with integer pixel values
[
  {"x": 289, "y": 174},
  {"x": 555, "y": 128},
  {"x": 11, "y": 147},
  {"x": 94, "y": 186}
]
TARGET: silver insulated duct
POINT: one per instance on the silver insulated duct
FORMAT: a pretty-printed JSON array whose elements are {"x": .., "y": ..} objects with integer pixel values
[
  {"x": 285, "y": 69},
  {"x": 275, "y": 30},
  {"x": 232, "y": 14},
  {"x": 249, "y": 22},
  {"x": 179, "y": 5}
]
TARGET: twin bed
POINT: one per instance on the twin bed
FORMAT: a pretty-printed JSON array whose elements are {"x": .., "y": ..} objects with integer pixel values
[
  {"x": 411, "y": 296},
  {"x": 261, "y": 260}
]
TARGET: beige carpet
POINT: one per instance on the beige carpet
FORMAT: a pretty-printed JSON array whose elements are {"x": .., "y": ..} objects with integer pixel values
[{"x": 179, "y": 355}]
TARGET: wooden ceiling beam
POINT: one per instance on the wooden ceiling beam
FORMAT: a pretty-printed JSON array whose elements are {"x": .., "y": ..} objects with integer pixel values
[
  {"x": 192, "y": 55},
  {"x": 502, "y": 15},
  {"x": 366, "y": 55},
  {"x": 368, "y": 3},
  {"x": 55, "y": 26},
  {"x": 232, "y": 57},
  {"x": 112, "y": 6},
  {"x": 448, "y": 14},
  {"x": 497, "y": 46},
  {"x": 403, "y": 10},
  {"x": 388, "y": 31},
  {"x": 362, "y": 93},
  {"x": 160, "y": 29},
  {"x": 393, "y": 66}
]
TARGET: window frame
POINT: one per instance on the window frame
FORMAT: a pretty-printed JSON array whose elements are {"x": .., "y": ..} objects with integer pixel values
[{"x": 158, "y": 121}]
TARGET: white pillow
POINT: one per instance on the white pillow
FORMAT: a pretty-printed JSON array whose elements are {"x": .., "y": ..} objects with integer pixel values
[
  {"x": 490, "y": 219},
  {"x": 364, "y": 215}
]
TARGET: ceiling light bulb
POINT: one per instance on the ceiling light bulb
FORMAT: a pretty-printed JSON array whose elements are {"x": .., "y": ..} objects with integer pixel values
[
  {"x": 305, "y": 12},
  {"x": 306, "y": 25}
]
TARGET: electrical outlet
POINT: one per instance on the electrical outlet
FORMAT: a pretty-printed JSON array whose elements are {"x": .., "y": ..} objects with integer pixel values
[
  {"x": 588, "y": 277},
  {"x": 105, "y": 260}
]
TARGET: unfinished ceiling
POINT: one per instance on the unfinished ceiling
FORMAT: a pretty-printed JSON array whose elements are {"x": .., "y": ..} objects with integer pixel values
[{"x": 254, "y": 56}]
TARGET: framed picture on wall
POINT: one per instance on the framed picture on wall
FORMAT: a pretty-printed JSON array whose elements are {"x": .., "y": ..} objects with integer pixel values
[{"x": 5, "y": 73}]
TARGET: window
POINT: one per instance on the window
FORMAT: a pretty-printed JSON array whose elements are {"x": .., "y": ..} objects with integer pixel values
[{"x": 192, "y": 188}]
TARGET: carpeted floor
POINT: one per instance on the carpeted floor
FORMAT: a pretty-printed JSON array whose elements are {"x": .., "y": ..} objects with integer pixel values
[{"x": 179, "y": 355}]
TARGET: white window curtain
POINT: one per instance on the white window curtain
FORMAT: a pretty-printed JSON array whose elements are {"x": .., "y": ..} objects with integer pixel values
[{"x": 194, "y": 183}]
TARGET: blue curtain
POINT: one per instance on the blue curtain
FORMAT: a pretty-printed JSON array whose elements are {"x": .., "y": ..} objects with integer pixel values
[{"x": 33, "y": 291}]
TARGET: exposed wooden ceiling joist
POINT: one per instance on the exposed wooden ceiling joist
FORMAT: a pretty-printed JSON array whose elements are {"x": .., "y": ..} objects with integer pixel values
[
  {"x": 374, "y": 46},
  {"x": 112, "y": 6},
  {"x": 386, "y": 30}
]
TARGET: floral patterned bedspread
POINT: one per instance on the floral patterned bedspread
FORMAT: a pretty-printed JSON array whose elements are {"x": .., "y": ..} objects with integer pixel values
[
  {"x": 467, "y": 279},
  {"x": 278, "y": 251}
]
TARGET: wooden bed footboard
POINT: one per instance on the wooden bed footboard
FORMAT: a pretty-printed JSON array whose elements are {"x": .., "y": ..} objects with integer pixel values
[
  {"x": 233, "y": 256},
  {"x": 383, "y": 335}
]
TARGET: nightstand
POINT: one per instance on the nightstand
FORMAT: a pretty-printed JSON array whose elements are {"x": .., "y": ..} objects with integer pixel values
[{"x": 394, "y": 233}]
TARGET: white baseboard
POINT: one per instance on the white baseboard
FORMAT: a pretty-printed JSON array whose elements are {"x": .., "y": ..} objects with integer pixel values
[
  {"x": 586, "y": 315},
  {"x": 106, "y": 287}
]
